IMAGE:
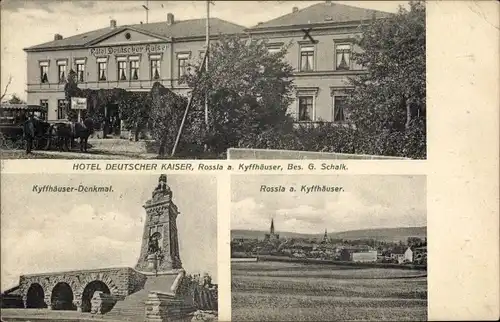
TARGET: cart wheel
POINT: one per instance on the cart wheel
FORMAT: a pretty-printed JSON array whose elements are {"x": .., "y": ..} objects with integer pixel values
[
  {"x": 9, "y": 145},
  {"x": 18, "y": 144}
]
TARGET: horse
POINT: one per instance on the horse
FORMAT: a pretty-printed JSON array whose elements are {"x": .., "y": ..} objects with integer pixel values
[
  {"x": 41, "y": 128},
  {"x": 38, "y": 131},
  {"x": 67, "y": 132}
]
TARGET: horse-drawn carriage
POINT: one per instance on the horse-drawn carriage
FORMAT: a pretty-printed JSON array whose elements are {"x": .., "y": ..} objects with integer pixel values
[
  {"x": 58, "y": 134},
  {"x": 12, "y": 119}
]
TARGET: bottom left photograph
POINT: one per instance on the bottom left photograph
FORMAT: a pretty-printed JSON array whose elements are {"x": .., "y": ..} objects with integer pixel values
[{"x": 109, "y": 247}]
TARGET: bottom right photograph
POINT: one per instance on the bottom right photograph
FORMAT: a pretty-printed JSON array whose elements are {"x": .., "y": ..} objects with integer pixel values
[{"x": 328, "y": 248}]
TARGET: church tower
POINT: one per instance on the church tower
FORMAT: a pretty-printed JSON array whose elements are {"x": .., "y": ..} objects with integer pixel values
[
  {"x": 325, "y": 237},
  {"x": 271, "y": 236},
  {"x": 160, "y": 246}
]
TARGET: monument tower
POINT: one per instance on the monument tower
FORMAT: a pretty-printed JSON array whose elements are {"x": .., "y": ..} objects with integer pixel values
[{"x": 160, "y": 246}]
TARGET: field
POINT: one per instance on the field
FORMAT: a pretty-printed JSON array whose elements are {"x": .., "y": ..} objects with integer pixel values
[{"x": 280, "y": 291}]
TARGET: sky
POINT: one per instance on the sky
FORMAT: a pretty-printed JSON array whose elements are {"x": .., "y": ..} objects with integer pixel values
[
  {"x": 60, "y": 231},
  {"x": 26, "y": 23},
  {"x": 367, "y": 201}
]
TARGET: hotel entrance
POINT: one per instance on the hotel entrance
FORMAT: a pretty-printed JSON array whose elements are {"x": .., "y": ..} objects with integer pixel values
[{"x": 112, "y": 121}]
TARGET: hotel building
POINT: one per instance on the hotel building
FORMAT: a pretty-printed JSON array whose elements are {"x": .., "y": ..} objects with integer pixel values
[{"x": 133, "y": 57}]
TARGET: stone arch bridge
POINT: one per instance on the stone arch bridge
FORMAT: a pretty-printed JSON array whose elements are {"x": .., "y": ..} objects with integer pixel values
[{"x": 73, "y": 290}]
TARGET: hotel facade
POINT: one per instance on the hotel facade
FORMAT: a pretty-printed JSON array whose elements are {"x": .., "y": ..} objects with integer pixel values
[{"x": 134, "y": 57}]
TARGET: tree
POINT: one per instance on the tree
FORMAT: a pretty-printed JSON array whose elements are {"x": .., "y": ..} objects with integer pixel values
[
  {"x": 135, "y": 111},
  {"x": 6, "y": 88},
  {"x": 249, "y": 90},
  {"x": 165, "y": 115},
  {"x": 387, "y": 104},
  {"x": 414, "y": 242},
  {"x": 16, "y": 100},
  {"x": 71, "y": 90}
]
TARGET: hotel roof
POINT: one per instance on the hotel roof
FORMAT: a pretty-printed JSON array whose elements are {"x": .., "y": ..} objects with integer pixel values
[
  {"x": 322, "y": 13},
  {"x": 178, "y": 29}
]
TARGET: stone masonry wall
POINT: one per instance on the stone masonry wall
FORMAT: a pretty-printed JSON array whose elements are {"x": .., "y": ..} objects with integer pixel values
[
  {"x": 264, "y": 154},
  {"x": 120, "y": 281},
  {"x": 136, "y": 281}
]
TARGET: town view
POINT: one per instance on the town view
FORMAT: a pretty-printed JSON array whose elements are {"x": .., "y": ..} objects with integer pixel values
[
  {"x": 412, "y": 251},
  {"x": 355, "y": 253}
]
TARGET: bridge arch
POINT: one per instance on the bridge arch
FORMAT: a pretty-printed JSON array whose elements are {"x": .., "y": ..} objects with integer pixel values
[
  {"x": 88, "y": 292},
  {"x": 35, "y": 297},
  {"x": 62, "y": 297}
]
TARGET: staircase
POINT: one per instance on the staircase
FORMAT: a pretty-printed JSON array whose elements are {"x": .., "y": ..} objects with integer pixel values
[{"x": 132, "y": 307}]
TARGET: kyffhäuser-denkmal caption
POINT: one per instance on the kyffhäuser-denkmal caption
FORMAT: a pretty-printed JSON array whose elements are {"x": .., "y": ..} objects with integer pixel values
[{"x": 46, "y": 188}]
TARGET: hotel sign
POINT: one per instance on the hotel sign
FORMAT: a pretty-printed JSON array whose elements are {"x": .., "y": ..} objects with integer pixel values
[
  {"x": 124, "y": 50},
  {"x": 78, "y": 103}
]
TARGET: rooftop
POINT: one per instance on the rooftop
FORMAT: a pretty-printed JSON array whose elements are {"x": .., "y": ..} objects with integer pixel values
[
  {"x": 322, "y": 13},
  {"x": 177, "y": 29}
]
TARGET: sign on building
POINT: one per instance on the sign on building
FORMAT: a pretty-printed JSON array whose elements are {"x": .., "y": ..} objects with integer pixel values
[
  {"x": 78, "y": 103},
  {"x": 132, "y": 49}
]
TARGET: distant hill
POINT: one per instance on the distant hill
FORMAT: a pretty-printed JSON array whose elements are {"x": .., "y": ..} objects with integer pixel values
[
  {"x": 382, "y": 234},
  {"x": 260, "y": 234}
]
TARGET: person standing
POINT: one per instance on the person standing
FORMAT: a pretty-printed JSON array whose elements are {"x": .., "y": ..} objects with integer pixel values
[{"x": 29, "y": 133}]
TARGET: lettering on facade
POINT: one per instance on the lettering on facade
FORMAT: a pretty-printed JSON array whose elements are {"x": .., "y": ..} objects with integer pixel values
[{"x": 136, "y": 49}]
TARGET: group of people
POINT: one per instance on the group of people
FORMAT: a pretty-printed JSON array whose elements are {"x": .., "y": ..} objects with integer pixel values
[{"x": 111, "y": 125}]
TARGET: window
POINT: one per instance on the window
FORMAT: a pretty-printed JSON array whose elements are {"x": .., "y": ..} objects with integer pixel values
[
  {"x": 183, "y": 65},
  {"x": 339, "y": 109},
  {"x": 306, "y": 58},
  {"x": 122, "y": 70},
  {"x": 155, "y": 69},
  {"x": 343, "y": 57},
  {"x": 45, "y": 104},
  {"x": 61, "y": 67},
  {"x": 80, "y": 71},
  {"x": 306, "y": 108},
  {"x": 134, "y": 70},
  {"x": 61, "y": 109},
  {"x": 101, "y": 70},
  {"x": 44, "y": 72},
  {"x": 155, "y": 66}
]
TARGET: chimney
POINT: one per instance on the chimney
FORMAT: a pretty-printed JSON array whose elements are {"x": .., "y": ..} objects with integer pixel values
[
  {"x": 58, "y": 37},
  {"x": 295, "y": 9},
  {"x": 170, "y": 19},
  {"x": 112, "y": 23}
]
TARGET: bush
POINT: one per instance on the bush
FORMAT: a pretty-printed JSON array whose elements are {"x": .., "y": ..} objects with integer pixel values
[{"x": 203, "y": 293}]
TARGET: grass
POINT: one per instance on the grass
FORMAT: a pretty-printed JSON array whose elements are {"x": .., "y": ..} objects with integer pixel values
[{"x": 276, "y": 291}]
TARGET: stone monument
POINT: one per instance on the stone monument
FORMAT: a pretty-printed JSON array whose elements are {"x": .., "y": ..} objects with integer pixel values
[{"x": 160, "y": 245}]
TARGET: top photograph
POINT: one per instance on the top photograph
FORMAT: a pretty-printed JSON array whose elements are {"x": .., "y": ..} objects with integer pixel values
[{"x": 213, "y": 80}]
